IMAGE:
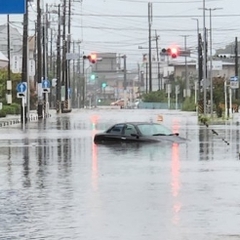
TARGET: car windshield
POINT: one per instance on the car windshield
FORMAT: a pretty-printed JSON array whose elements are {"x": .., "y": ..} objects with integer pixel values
[{"x": 154, "y": 130}]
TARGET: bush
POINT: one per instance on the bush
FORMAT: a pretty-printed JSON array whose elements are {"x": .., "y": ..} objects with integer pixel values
[
  {"x": 2, "y": 113},
  {"x": 12, "y": 109},
  {"x": 189, "y": 105}
]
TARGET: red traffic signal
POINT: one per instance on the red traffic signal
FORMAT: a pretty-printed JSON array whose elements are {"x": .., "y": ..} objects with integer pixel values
[
  {"x": 92, "y": 57},
  {"x": 172, "y": 51}
]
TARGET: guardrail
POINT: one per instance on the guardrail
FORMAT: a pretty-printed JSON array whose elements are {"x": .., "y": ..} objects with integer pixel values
[{"x": 8, "y": 121}]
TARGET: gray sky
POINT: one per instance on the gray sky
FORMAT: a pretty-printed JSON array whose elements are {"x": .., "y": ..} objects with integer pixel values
[{"x": 122, "y": 25}]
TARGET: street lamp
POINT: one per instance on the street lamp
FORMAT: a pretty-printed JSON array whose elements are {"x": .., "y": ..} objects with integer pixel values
[
  {"x": 210, "y": 69},
  {"x": 205, "y": 55},
  {"x": 198, "y": 42},
  {"x": 196, "y": 19},
  {"x": 210, "y": 72}
]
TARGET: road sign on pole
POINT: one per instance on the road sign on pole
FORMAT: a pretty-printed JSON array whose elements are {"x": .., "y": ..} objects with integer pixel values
[
  {"x": 234, "y": 83},
  {"x": 46, "y": 85},
  {"x": 13, "y": 6},
  {"x": 21, "y": 89}
]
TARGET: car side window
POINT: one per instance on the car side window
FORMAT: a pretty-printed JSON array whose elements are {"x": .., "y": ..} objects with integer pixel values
[
  {"x": 117, "y": 129},
  {"x": 129, "y": 129}
]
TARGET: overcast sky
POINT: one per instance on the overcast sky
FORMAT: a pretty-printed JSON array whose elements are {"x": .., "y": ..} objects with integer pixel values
[{"x": 122, "y": 25}]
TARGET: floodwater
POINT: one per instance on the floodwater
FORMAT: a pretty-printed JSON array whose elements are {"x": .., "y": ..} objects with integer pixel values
[{"x": 57, "y": 184}]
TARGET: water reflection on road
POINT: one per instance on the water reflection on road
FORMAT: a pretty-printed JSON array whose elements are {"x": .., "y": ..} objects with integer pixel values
[{"x": 57, "y": 184}]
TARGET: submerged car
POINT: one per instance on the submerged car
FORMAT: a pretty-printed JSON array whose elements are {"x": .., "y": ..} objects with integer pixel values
[{"x": 138, "y": 132}]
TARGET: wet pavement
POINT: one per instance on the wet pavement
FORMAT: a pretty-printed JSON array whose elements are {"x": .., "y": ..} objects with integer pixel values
[{"x": 57, "y": 184}]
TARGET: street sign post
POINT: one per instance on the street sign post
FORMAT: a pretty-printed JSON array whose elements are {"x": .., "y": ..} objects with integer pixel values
[
  {"x": 21, "y": 93},
  {"x": 177, "y": 91},
  {"x": 21, "y": 89},
  {"x": 13, "y": 6},
  {"x": 234, "y": 83},
  {"x": 46, "y": 85},
  {"x": 46, "y": 89}
]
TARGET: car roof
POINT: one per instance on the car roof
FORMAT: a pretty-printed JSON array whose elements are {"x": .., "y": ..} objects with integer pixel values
[{"x": 137, "y": 123}]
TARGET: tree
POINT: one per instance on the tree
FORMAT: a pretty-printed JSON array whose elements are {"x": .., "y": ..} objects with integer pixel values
[{"x": 157, "y": 96}]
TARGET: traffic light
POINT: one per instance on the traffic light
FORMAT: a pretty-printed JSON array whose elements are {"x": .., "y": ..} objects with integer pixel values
[
  {"x": 92, "y": 58},
  {"x": 92, "y": 77},
  {"x": 104, "y": 85},
  {"x": 172, "y": 51},
  {"x": 221, "y": 56}
]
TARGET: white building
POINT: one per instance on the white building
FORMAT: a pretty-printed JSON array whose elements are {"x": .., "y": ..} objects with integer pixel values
[{"x": 16, "y": 49}]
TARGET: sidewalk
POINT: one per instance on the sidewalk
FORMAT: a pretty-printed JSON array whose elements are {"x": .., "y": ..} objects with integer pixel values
[{"x": 15, "y": 119}]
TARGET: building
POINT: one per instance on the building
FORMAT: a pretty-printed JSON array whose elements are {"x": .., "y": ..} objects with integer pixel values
[
  {"x": 171, "y": 69},
  {"x": 16, "y": 49},
  {"x": 3, "y": 61},
  {"x": 219, "y": 68},
  {"x": 15, "y": 40},
  {"x": 109, "y": 72}
]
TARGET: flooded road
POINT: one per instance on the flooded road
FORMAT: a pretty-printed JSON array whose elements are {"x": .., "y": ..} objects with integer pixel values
[{"x": 57, "y": 184}]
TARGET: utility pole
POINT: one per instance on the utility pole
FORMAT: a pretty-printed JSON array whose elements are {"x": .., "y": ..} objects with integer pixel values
[
  {"x": 64, "y": 48},
  {"x": 186, "y": 66},
  {"x": 200, "y": 64},
  {"x": 9, "y": 57},
  {"x": 73, "y": 98},
  {"x": 200, "y": 74},
  {"x": 146, "y": 77},
  {"x": 58, "y": 104},
  {"x": 210, "y": 68},
  {"x": 150, "y": 44},
  {"x": 25, "y": 61},
  {"x": 9, "y": 48},
  {"x": 158, "y": 62},
  {"x": 83, "y": 84},
  {"x": 79, "y": 76},
  {"x": 205, "y": 60},
  {"x": 45, "y": 57},
  {"x": 68, "y": 75},
  {"x": 39, "y": 61},
  {"x": 236, "y": 65},
  {"x": 125, "y": 79}
]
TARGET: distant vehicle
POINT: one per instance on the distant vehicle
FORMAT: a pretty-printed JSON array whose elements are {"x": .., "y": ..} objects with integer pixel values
[
  {"x": 119, "y": 103},
  {"x": 136, "y": 103},
  {"x": 145, "y": 132}
]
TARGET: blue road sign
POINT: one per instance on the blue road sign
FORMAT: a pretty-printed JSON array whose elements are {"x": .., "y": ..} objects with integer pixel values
[
  {"x": 234, "y": 78},
  {"x": 21, "y": 87},
  {"x": 46, "y": 83},
  {"x": 12, "y": 6},
  {"x": 234, "y": 82}
]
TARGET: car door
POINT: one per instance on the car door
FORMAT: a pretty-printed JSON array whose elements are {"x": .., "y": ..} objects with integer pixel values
[
  {"x": 130, "y": 133},
  {"x": 114, "y": 134}
]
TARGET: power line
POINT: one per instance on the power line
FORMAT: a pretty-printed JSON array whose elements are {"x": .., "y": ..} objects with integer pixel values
[{"x": 155, "y": 16}]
